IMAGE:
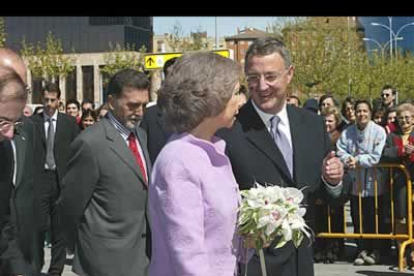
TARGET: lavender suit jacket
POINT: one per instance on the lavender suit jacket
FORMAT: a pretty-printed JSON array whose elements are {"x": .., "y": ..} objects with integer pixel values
[{"x": 193, "y": 201}]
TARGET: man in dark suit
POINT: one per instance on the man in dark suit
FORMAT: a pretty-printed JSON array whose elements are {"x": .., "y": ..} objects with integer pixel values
[
  {"x": 104, "y": 198},
  {"x": 154, "y": 124},
  {"x": 56, "y": 131},
  {"x": 279, "y": 144},
  {"x": 16, "y": 170}
]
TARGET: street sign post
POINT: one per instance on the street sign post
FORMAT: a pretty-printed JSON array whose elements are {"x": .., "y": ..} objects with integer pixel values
[{"x": 157, "y": 60}]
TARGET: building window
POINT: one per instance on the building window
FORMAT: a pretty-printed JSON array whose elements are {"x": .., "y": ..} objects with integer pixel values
[
  {"x": 88, "y": 84},
  {"x": 71, "y": 85},
  {"x": 37, "y": 90}
]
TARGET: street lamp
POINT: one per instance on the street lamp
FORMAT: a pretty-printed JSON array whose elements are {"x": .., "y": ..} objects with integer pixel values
[
  {"x": 392, "y": 33},
  {"x": 389, "y": 28},
  {"x": 385, "y": 45},
  {"x": 398, "y": 32}
]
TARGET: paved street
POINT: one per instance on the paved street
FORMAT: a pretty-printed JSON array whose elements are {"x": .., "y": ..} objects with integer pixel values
[{"x": 337, "y": 269}]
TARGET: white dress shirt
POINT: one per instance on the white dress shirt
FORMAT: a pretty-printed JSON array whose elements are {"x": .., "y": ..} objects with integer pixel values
[
  {"x": 46, "y": 124},
  {"x": 284, "y": 127}
]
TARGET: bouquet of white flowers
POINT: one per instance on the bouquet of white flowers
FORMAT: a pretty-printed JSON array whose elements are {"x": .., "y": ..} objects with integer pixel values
[{"x": 270, "y": 212}]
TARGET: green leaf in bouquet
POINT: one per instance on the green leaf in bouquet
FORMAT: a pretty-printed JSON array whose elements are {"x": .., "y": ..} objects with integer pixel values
[
  {"x": 281, "y": 243},
  {"x": 297, "y": 237}
]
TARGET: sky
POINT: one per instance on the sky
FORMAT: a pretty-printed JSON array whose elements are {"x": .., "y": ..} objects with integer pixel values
[{"x": 226, "y": 26}]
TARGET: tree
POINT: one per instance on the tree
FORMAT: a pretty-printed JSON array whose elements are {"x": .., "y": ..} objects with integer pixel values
[
  {"x": 123, "y": 58},
  {"x": 329, "y": 55},
  {"x": 47, "y": 62},
  {"x": 3, "y": 33},
  {"x": 179, "y": 43}
]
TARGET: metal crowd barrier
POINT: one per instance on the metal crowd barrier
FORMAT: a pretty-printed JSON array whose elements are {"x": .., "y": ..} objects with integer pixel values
[{"x": 406, "y": 238}]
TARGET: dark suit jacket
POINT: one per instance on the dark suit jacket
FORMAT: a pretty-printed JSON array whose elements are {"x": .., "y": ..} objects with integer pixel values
[
  {"x": 66, "y": 132},
  {"x": 104, "y": 204},
  {"x": 255, "y": 157},
  {"x": 154, "y": 125},
  {"x": 16, "y": 202}
]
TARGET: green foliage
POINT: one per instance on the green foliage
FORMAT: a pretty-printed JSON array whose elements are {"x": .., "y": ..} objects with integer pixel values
[
  {"x": 3, "y": 33},
  {"x": 332, "y": 57},
  {"x": 120, "y": 58},
  {"x": 48, "y": 61}
]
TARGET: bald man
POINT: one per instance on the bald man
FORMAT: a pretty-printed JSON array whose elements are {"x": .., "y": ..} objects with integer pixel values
[
  {"x": 17, "y": 173},
  {"x": 11, "y": 59}
]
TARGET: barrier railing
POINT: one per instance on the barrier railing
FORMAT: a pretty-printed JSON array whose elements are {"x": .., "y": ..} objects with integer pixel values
[{"x": 406, "y": 238}]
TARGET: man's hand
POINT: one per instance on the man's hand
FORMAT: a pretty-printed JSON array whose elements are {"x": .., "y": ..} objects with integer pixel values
[{"x": 332, "y": 169}]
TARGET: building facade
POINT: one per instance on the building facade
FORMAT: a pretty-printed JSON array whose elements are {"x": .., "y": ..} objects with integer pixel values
[
  {"x": 240, "y": 42},
  {"x": 85, "y": 40}
]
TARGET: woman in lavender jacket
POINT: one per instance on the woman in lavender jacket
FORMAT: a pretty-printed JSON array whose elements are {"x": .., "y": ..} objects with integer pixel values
[{"x": 193, "y": 195}]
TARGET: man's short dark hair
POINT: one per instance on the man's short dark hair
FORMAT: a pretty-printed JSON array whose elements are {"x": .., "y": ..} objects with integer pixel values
[
  {"x": 127, "y": 78},
  {"x": 363, "y": 101},
  {"x": 87, "y": 101},
  {"x": 51, "y": 87},
  {"x": 73, "y": 101},
  {"x": 388, "y": 87}
]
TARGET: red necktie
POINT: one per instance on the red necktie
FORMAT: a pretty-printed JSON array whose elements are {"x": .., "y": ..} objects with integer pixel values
[{"x": 133, "y": 146}]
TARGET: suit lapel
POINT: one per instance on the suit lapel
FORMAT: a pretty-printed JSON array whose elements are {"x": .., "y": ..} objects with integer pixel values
[
  {"x": 299, "y": 131},
  {"x": 257, "y": 133},
  {"x": 120, "y": 148}
]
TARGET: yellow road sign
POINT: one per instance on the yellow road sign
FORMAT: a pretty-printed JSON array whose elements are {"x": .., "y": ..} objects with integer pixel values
[{"x": 157, "y": 60}]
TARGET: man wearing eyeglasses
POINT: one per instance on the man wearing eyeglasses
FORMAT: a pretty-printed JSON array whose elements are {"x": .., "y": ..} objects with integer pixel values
[
  {"x": 16, "y": 169},
  {"x": 277, "y": 144},
  {"x": 388, "y": 96}
]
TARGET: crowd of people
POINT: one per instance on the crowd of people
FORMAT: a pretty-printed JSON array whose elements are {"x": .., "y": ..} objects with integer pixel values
[
  {"x": 136, "y": 191},
  {"x": 363, "y": 135}
]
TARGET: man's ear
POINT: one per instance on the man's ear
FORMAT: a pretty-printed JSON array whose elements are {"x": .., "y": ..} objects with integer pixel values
[{"x": 111, "y": 102}]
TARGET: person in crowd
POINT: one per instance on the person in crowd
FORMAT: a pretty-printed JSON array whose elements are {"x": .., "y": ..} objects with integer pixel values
[
  {"x": 73, "y": 109},
  {"x": 378, "y": 115},
  {"x": 183, "y": 189},
  {"x": 17, "y": 222},
  {"x": 104, "y": 198},
  {"x": 293, "y": 100},
  {"x": 329, "y": 250},
  {"x": 389, "y": 120},
  {"x": 87, "y": 105},
  {"x": 348, "y": 111},
  {"x": 102, "y": 111},
  {"x": 359, "y": 148},
  {"x": 388, "y": 95},
  {"x": 327, "y": 100},
  {"x": 154, "y": 122},
  {"x": 399, "y": 148},
  {"x": 56, "y": 131},
  {"x": 62, "y": 108},
  {"x": 311, "y": 105},
  {"x": 88, "y": 118},
  {"x": 274, "y": 143}
]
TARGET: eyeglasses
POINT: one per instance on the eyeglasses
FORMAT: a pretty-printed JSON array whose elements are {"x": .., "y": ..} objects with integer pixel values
[
  {"x": 407, "y": 118},
  {"x": 5, "y": 125},
  {"x": 269, "y": 78},
  {"x": 385, "y": 95}
]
